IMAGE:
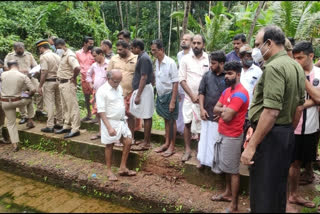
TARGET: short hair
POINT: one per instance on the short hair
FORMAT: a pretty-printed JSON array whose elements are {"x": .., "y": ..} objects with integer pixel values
[
  {"x": 158, "y": 43},
  {"x": 138, "y": 43},
  {"x": 292, "y": 41},
  {"x": 304, "y": 46},
  {"x": 18, "y": 45},
  {"x": 275, "y": 34},
  {"x": 110, "y": 73},
  {"x": 107, "y": 42},
  {"x": 122, "y": 43},
  {"x": 86, "y": 39},
  {"x": 59, "y": 41},
  {"x": 218, "y": 56},
  {"x": 203, "y": 39},
  {"x": 125, "y": 33},
  {"x": 1, "y": 62},
  {"x": 233, "y": 66},
  {"x": 241, "y": 37},
  {"x": 12, "y": 63},
  {"x": 97, "y": 50}
]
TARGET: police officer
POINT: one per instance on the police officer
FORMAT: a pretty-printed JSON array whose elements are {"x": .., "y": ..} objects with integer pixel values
[
  {"x": 13, "y": 96},
  {"x": 2, "y": 115},
  {"x": 49, "y": 87},
  {"x": 68, "y": 71},
  {"x": 26, "y": 62}
]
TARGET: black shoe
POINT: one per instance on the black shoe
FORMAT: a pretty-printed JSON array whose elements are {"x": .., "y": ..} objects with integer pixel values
[
  {"x": 40, "y": 113},
  {"x": 72, "y": 134},
  {"x": 61, "y": 131},
  {"x": 48, "y": 130},
  {"x": 23, "y": 121},
  {"x": 58, "y": 127}
]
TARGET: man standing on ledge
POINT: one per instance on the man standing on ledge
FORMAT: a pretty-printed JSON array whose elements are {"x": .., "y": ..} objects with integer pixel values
[
  {"x": 114, "y": 127},
  {"x": 274, "y": 113},
  {"x": 68, "y": 71}
]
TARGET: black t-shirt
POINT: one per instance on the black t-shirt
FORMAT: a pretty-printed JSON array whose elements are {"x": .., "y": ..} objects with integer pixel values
[
  {"x": 144, "y": 66},
  {"x": 211, "y": 86}
]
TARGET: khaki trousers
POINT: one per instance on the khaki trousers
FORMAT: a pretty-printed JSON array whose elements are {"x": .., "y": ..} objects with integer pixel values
[
  {"x": 2, "y": 117},
  {"x": 70, "y": 106},
  {"x": 52, "y": 101},
  {"x": 37, "y": 99},
  {"x": 10, "y": 112}
]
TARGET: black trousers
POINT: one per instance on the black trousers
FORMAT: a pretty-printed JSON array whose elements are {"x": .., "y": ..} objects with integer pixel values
[{"x": 269, "y": 173}]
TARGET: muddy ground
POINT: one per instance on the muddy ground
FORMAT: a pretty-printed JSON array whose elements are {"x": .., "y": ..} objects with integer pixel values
[{"x": 147, "y": 191}]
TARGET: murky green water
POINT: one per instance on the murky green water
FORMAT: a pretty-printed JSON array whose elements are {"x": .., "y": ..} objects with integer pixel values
[{"x": 23, "y": 195}]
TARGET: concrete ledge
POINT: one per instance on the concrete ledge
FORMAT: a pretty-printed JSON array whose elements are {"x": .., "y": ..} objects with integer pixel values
[{"x": 147, "y": 161}]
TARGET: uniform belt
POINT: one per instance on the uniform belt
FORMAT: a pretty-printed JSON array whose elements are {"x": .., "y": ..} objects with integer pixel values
[
  {"x": 255, "y": 124},
  {"x": 51, "y": 80},
  {"x": 10, "y": 99},
  {"x": 63, "y": 80}
]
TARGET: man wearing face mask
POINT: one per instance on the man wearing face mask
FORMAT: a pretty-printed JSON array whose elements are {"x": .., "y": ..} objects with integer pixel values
[
  {"x": 85, "y": 59},
  {"x": 49, "y": 87},
  {"x": 26, "y": 62},
  {"x": 274, "y": 113},
  {"x": 250, "y": 75},
  {"x": 231, "y": 108},
  {"x": 68, "y": 71}
]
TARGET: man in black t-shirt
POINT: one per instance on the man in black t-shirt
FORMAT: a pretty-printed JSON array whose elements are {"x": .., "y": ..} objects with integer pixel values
[{"x": 142, "y": 100}]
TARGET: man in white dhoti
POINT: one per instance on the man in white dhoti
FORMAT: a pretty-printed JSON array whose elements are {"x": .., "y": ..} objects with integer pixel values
[
  {"x": 114, "y": 127},
  {"x": 210, "y": 89}
]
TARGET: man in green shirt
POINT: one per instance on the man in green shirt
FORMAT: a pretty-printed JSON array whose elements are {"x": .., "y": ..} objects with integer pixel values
[{"x": 274, "y": 113}]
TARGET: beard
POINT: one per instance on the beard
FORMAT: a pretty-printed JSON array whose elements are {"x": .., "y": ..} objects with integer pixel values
[
  {"x": 197, "y": 51},
  {"x": 184, "y": 46},
  {"x": 230, "y": 82}
]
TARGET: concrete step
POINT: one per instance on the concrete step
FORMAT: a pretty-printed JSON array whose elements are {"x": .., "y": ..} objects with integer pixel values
[{"x": 148, "y": 161}]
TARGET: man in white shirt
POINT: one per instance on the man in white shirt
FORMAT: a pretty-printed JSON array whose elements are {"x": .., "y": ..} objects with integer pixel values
[
  {"x": 185, "y": 44},
  {"x": 191, "y": 70},
  {"x": 114, "y": 127},
  {"x": 167, "y": 95}
]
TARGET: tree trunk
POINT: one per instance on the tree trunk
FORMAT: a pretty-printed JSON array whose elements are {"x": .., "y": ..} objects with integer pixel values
[
  {"x": 137, "y": 18},
  {"x": 178, "y": 26},
  {"x": 127, "y": 15},
  {"x": 120, "y": 13},
  {"x": 159, "y": 21},
  {"x": 209, "y": 9},
  {"x": 254, "y": 21},
  {"x": 169, "y": 44},
  {"x": 185, "y": 17}
]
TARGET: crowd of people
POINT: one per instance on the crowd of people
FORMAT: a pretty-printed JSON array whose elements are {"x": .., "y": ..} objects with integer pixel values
[{"x": 256, "y": 106}]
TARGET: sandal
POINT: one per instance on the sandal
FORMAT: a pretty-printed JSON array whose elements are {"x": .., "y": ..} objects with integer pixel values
[
  {"x": 140, "y": 147},
  {"x": 186, "y": 157},
  {"x": 95, "y": 137},
  {"x": 308, "y": 204},
  {"x": 167, "y": 154},
  {"x": 161, "y": 149},
  {"x": 127, "y": 173},
  {"x": 220, "y": 198}
]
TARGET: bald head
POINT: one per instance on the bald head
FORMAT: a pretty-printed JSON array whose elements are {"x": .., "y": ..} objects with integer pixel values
[{"x": 114, "y": 78}]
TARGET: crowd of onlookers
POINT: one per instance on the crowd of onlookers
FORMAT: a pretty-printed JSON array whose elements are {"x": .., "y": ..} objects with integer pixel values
[{"x": 256, "y": 106}]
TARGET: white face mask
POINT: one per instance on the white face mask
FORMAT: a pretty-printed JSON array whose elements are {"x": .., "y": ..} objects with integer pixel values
[
  {"x": 1, "y": 70},
  {"x": 60, "y": 52},
  {"x": 257, "y": 55}
]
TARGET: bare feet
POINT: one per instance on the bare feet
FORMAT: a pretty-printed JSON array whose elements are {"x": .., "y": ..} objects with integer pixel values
[
  {"x": 111, "y": 176},
  {"x": 126, "y": 172},
  {"x": 301, "y": 201},
  {"x": 221, "y": 197}
]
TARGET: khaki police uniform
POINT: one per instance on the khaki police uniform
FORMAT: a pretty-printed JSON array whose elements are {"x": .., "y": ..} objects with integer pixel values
[
  {"x": 13, "y": 83},
  {"x": 49, "y": 63},
  {"x": 68, "y": 91},
  {"x": 26, "y": 62}
]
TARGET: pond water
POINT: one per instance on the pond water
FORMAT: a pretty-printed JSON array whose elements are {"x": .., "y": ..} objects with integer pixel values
[{"x": 24, "y": 195}]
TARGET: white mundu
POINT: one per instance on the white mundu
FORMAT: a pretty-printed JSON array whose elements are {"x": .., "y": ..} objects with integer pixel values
[{"x": 110, "y": 101}]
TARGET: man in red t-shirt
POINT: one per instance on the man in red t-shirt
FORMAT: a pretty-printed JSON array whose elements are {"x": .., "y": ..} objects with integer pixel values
[{"x": 231, "y": 108}]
